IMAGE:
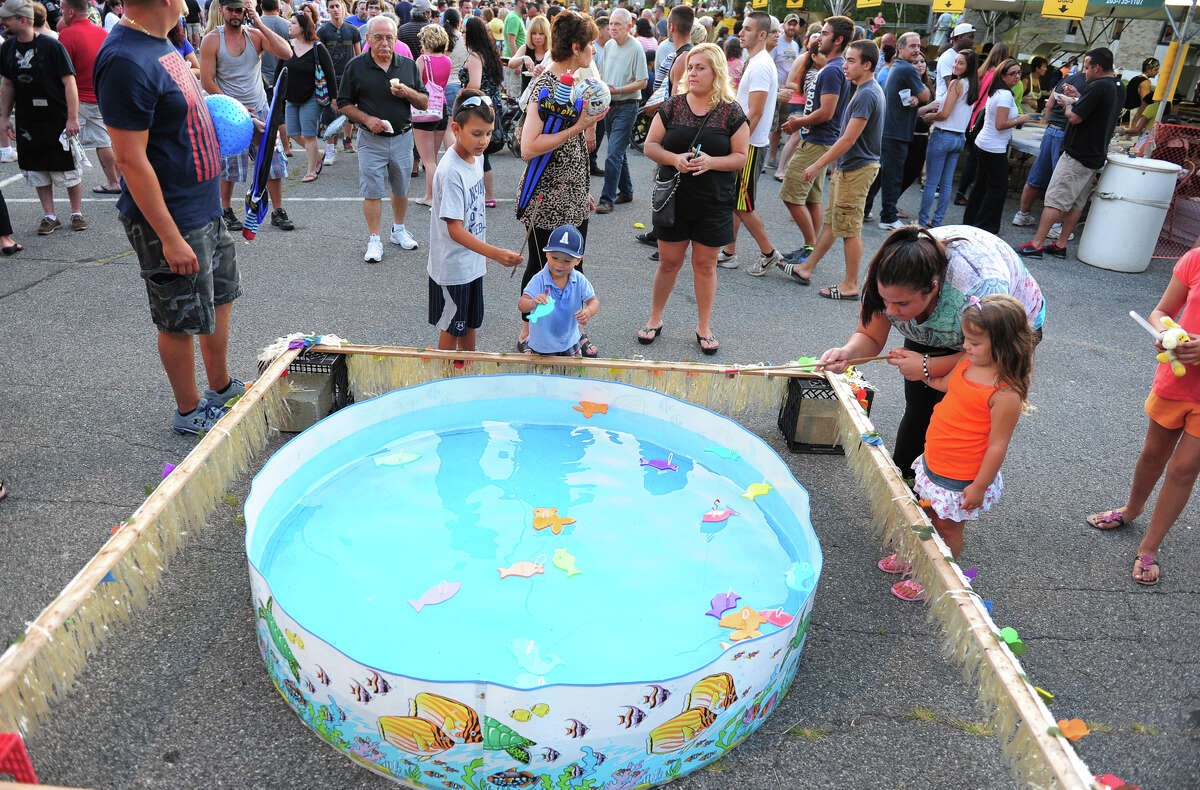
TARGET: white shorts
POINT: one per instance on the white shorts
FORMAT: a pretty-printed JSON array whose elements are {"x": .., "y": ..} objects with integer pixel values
[
  {"x": 92, "y": 132},
  {"x": 44, "y": 178}
]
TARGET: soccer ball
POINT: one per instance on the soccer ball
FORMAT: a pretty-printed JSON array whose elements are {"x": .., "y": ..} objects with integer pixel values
[
  {"x": 594, "y": 93},
  {"x": 232, "y": 122}
]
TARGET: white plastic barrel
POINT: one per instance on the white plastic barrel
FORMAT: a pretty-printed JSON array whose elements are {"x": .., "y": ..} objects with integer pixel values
[{"x": 1128, "y": 210}]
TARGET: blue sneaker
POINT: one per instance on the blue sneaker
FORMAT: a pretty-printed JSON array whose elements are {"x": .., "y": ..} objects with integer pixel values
[
  {"x": 200, "y": 419},
  {"x": 235, "y": 389},
  {"x": 800, "y": 255}
]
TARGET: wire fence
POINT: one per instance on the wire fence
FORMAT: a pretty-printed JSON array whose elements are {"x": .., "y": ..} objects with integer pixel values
[{"x": 1181, "y": 229}]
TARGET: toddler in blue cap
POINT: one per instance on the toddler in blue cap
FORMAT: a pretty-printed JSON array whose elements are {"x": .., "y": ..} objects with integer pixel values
[{"x": 559, "y": 299}]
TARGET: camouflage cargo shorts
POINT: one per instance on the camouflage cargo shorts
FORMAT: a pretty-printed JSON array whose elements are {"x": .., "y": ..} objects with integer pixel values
[{"x": 182, "y": 303}]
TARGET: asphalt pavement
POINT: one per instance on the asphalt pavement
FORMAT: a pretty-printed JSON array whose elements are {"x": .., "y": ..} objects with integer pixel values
[{"x": 179, "y": 698}]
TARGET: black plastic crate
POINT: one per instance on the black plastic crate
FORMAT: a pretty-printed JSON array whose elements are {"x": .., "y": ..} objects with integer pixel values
[
  {"x": 808, "y": 416},
  {"x": 323, "y": 363}
]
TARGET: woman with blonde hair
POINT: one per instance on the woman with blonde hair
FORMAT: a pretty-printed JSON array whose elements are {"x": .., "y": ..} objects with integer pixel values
[
  {"x": 435, "y": 67},
  {"x": 528, "y": 60},
  {"x": 699, "y": 138}
]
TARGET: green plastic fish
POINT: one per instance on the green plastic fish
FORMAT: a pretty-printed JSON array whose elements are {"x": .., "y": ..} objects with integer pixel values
[
  {"x": 395, "y": 459},
  {"x": 497, "y": 736},
  {"x": 565, "y": 561},
  {"x": 807, "y": 362},
  {"x": 278, "y": 638},
  {"x": 723, "y": 452}
]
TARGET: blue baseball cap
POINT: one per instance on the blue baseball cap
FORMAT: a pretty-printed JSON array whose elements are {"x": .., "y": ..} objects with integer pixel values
[{"x": 566, "y": 239}]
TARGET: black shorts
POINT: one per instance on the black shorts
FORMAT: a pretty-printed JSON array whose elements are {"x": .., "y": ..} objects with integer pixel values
[
  {"x": 456, "y": 308},
  {"x": 707, "y": 227},
  {"x": 745, "y": 185},
  {"x": 433, "y": 126}
]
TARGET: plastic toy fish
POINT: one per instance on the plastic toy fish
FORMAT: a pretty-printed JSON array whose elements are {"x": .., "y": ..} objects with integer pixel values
[
  {"x": 744, "y": 622},
  {"x": 800, "y": 577},
  {"x": 576, "y": 728},
  {"x": 523, "y": 568},
  {"x": 542, "y": 310},
  {"x": 723, "y": 452},
  {"x": 657, "y": 696},
  {"x": 526, "y": 651},
  {"x": 756, "y": 489},
  {"x": 438, "y": 593},
  {"x": 631, "y": 716},
  {"x": 777, "y": 617},
  {"x": 540, "y": 709},
  {"x": 661, "y": 465},
  {"x": 872, "y": 438},
  {"x": 589, "y": 408},
  {"x": 722, "y": 603},
  {"x": 521, "y": 714},
  {"x": 717, "y": 514},
  {"x": 395, "y": 459},
  {"x": 565, "y": 561},
  {"x": 548, "y": 517}
]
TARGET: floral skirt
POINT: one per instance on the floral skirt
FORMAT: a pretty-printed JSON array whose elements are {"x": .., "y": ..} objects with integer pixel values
[{"x": 948, "y": 504}]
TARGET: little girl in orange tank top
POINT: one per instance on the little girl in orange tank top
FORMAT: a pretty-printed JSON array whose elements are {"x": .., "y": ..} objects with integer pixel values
[{"x": 968, "y": 435}]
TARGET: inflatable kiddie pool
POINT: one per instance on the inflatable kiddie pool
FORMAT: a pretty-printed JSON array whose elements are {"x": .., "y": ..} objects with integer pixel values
[{"x": 530, "y": 581}]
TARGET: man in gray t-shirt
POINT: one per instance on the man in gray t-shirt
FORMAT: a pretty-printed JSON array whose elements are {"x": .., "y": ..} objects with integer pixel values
[
  {"x": 279, "y": 26},
  {"x": 857, "y": 155}
]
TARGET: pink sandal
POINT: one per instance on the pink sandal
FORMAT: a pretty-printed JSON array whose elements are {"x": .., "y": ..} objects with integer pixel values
[
  {"x": 908, "y": 590},
  {"x": 893, "y": 564}
]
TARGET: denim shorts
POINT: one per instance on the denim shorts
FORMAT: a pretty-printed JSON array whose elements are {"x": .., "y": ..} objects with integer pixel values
[
  {"x": 303, "y": 119},
  {"x": 186, "y": 303},
  {"x": 1043, "y": 165}
]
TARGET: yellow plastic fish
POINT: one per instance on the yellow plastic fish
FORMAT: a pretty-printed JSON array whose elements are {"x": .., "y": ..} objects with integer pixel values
[
  {"x": 756, "y": 489},
  {"x": 540, "y": 709},
  {"x": 548, "y": 517},
  {"x": 744, "y": 622},
  {"x": 295, "y": 640},
  {"x": 521, "y": 714},
  {"x": 565, "y": 561}
]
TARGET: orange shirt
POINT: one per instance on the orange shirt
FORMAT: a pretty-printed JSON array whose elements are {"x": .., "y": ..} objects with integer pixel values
[
  {"x": 1187, "y": 386},
  {"x": 957, "y": 437}
]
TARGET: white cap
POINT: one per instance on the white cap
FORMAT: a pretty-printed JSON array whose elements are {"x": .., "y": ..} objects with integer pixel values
[{"x": 961, "y": 29}]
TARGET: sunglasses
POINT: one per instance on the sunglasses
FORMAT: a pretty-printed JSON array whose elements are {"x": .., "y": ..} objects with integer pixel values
[{"x": 475, "y": 101}]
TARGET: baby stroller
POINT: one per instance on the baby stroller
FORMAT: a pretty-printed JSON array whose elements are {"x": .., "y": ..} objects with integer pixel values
[{"x": 509, "y": 118}]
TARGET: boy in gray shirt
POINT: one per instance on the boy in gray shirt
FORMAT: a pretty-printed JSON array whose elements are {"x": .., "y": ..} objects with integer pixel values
[{"x": 857, "y": 156}]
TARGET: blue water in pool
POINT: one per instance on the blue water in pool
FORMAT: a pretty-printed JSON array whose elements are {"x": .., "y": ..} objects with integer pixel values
[{"x": 350, "y": 542}]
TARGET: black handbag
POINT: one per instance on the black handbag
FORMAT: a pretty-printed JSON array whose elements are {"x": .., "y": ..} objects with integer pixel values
[{"x": 662, "y": 198}]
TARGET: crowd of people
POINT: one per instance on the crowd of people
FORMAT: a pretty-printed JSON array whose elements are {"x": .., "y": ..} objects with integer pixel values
[{"x": 720, "y": 101}]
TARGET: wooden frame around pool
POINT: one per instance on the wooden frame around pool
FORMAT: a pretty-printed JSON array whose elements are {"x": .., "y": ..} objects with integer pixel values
[{"x": 40, "y": 667}]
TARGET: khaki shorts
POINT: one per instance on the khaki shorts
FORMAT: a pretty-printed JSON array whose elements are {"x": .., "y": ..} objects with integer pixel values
[
  {"x": 62, "y": 179},
  {"x": 795, "y": 189},
  {"x": 1070, "y": 185},
  {"x": 1174, "y": 414},
  {"x": 848, "y": 198},
  {"x": 92, "y": 132}
]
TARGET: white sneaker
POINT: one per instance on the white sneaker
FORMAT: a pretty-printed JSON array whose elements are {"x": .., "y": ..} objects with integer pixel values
[
  {"x": 1024, "y": 219},
  {"x": 330, "y": 155},
  {"x": 374, "y": 253},
  {"x": 765, "y": 263},
  {"x": 1056, "y": 231},
  {"x": 8, "y": 154},
  {"x": 893, "y": 225},
  {"x": 401, "y": 236},
  {"x": 726, "y": 260}
]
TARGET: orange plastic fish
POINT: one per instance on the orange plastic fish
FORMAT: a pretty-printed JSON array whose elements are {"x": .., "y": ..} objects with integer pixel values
[
  {"x": 744, "y": 622},
  {"x": 1073, "y": 729},
  {"x": 589, "y": 408},
  {"x": 548, "y": 517}
]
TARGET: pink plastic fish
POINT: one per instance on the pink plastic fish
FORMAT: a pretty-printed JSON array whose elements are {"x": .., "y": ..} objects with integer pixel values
[
  {"x": 717, "y": 515},
  {"x": 438, "y": 593},
  {"x": 523, "y": 568},
  {"x": 777, "y": 617}
]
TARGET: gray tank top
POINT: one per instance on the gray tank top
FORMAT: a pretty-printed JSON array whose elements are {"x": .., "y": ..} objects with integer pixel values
[{"x": 241, "y": 76}]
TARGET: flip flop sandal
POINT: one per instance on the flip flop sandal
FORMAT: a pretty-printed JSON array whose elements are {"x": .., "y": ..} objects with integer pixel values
[
  {"x": 893, "y": 564},
  {"x": 1143, "y": 566},
  {"x": 908, "y": 590},
  {"x": 1114, "y": 517},
  {"x": 654, "y": 333},
  {"x": 13, "y": 250},
  {"x": 104, "y": 190},
  {"x": 523, "y": 347},
  {"x": 489, "y": 203},
  {"x": 588, "y": 348},
  {"x": 3, "y": 488},
  {"x": 832, "y": 292},
  {"x": 710, "y": 349}
]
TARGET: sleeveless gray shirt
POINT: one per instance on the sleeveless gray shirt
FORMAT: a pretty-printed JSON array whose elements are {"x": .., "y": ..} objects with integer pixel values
[{"x": 241, "y": 76}]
